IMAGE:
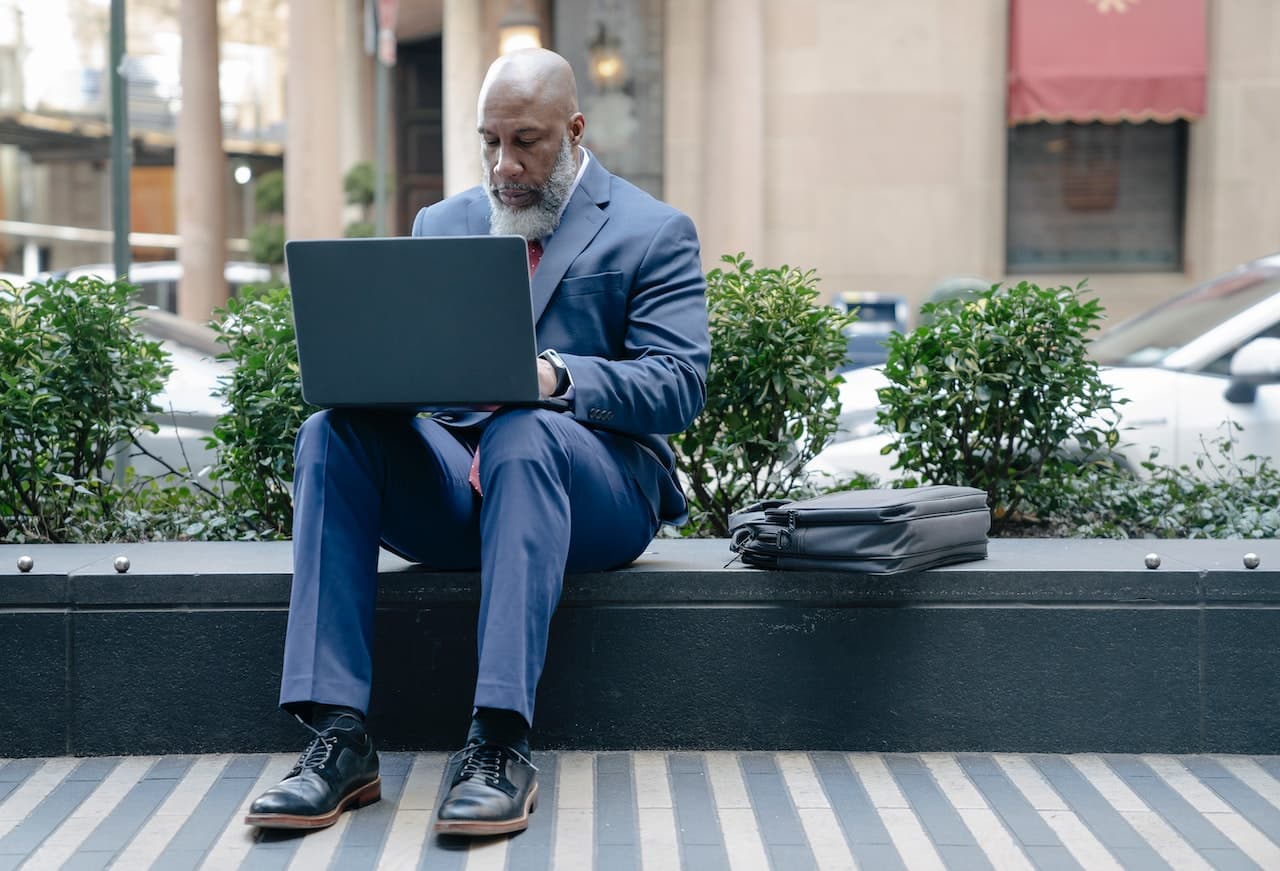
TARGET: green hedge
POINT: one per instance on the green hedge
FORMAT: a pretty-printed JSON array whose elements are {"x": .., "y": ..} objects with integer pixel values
[
  {"x": 992, "y": 388},
  {"x": 772, "y": 397},
  {"x": 76, "y": 381},
  {"x": 263, "y": 393}
]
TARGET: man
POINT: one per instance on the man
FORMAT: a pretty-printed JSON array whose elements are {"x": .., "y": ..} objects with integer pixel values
[{"x": 525, "y": 494}]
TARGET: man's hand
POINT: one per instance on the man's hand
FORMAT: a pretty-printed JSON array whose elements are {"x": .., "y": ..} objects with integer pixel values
[{"x": 546, "y": 379}]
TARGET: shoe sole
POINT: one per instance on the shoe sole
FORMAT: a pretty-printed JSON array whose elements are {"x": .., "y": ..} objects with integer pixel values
[
  {"x": 480, "y": 828},
  {"x": 365, "y": 795}
]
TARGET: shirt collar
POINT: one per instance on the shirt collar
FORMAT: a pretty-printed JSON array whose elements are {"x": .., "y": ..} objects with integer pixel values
[{"x": 582, "y": 168}]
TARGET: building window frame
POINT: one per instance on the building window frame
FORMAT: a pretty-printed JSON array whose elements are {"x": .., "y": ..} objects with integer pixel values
[{"x": 1095, "y": 197}]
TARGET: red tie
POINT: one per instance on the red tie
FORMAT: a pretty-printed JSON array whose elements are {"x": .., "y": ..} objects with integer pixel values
[{"x": 473, "y": 476}]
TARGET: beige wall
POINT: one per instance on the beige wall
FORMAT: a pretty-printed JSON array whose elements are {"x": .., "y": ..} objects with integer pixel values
[
  {"x": 883, "y": 137},
  {"x": 313, "y": 169},
  {"x": 1234, "y": 184},
  {"x": 717, "y": 129},
  {"x": 883, "y": 162},
  {"x": 897, "y": 131}
]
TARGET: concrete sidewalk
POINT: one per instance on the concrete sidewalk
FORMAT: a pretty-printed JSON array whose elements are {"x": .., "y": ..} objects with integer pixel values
[{"x": 615, "y": 811}]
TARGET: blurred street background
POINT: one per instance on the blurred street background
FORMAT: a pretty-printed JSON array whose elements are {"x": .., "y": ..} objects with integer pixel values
[{"x": 890, "y": 146}]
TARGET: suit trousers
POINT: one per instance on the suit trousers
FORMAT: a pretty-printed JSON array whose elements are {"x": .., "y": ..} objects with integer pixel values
[{"x": 556, "y": 499}]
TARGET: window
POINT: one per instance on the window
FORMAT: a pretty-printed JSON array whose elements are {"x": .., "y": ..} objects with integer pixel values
[{"x": 1096, "y": 197}]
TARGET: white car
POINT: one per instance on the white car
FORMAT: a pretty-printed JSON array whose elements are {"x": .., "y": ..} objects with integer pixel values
[
  {"x": 1186, "y": 367},
  {"x": 158, "y": 279},
  {"x": 856, "y": 447}
]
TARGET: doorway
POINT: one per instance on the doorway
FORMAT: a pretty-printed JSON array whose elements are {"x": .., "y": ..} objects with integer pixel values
[{"x": 420, "y": 134}]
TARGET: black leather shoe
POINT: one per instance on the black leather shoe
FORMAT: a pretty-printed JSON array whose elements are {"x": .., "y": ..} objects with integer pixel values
[
  {"x": 493, "y": 793},
  {"x": 338, "y": 770}
]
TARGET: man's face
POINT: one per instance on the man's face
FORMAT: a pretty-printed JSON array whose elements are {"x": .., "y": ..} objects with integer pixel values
[
  {"x": 521, "y": 138},
  {"x": 528, "y": 150}
]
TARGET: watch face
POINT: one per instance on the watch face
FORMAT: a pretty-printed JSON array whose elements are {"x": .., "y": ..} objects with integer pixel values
[{"x": 562, "y": 371}]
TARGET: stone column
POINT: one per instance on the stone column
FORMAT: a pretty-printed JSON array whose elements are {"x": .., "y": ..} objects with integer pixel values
[
  {"x": 464, "y": 67},
  {"x": 201, "y": 166},
  {"x": 313, "y": 198},
  {"x": 684, "y": 110},
  {"x": 715, "y": 126},
  {"x": 355, "y": 97},
  {"x": 734, "y": 133}
]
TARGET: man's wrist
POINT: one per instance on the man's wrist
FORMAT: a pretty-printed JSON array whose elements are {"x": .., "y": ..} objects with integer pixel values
[{"x": 563, "y": 380}]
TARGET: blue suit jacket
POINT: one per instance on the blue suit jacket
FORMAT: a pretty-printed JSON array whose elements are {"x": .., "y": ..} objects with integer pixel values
[{"x": 620, "y": 294}]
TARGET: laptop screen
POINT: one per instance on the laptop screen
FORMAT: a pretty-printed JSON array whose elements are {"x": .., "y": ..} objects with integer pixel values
[{"x": 414, "y": 322}]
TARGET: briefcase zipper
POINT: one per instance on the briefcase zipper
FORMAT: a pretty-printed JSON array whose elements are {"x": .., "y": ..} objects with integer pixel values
[
  {"x": 840, "y": 517},
  {"x": 778, "y": 539},
  {"x": 785, "y": 535}
]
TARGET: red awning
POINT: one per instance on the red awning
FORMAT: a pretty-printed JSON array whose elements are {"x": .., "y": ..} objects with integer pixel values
[{"x": 1106, "y": 60}]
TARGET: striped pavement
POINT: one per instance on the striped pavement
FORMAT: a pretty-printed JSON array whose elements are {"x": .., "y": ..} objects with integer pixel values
[{"x": 654, "y": 811}]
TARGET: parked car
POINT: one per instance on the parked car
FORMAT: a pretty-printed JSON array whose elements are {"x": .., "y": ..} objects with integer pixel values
[
  {"x": 1186, "y": 367},
  {"x": 158, "y": 279},
  {"x": 879, "y": 315},
  {"x": 954, "y": 287}
]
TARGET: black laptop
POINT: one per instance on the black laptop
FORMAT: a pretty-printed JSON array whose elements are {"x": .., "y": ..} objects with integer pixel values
[{"x": 414, "y": 323}]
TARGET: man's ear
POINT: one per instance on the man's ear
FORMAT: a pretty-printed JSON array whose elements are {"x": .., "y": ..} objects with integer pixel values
[{"x": 577, "y": 124}]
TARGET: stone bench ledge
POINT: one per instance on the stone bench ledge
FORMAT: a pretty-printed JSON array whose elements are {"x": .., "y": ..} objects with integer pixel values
[
  {"x": 671, "y": 571},
  {"x": 1047, "y": 646}
]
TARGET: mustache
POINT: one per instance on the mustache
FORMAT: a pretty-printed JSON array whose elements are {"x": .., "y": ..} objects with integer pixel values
[{"x": 513, "y": 186}]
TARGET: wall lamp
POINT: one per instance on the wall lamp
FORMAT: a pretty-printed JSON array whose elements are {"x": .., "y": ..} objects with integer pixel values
[
  {"x": 608, "y": 71},
  {"x": 519, "y": 28}
]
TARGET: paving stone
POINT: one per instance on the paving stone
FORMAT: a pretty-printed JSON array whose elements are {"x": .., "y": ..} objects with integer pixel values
[{"x": 1182, "y": 794}]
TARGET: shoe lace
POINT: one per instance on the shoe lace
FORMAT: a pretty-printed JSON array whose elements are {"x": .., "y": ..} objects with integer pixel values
[
  {"x": 485, "y": 761},
  {"x": 317, "y": 753}
]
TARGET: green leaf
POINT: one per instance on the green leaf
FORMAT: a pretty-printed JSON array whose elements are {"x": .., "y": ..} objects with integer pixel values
[
  {"x": 771, "y": 389},
  {"x": 991, "y": 389}
]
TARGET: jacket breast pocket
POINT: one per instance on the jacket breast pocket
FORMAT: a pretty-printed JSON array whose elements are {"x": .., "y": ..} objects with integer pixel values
[
  {"x": 584, "y": 285},
  {"x": 587, "y": 315}
]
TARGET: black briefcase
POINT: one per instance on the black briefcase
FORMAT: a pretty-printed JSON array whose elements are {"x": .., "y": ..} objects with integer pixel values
[{"x": 872, "y": 531}]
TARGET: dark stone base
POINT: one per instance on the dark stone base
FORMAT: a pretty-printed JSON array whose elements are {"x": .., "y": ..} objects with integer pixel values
[{"x": 1048, "y": 646}]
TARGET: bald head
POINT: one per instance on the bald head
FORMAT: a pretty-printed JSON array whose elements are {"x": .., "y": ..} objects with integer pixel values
[
  {"x": 530, "y": 129},
  {"x": 533, "y": 75}
]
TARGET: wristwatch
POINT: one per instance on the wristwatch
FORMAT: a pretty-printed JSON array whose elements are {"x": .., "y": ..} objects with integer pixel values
[{"x": 563, "y": 381}]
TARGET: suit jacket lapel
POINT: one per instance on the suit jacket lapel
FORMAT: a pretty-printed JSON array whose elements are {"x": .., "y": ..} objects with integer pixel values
[
  {"x": 478, "y": 216},
  {"x": 581, "y": 221}
]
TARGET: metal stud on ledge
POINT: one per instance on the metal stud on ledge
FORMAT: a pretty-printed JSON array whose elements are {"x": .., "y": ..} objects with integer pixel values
[
  {"x": 1251, "y": 560},
  {"x": 25, "y": 563},
  {"x": 1152, "y": 560},
  {"x": 122, "y": 564}
]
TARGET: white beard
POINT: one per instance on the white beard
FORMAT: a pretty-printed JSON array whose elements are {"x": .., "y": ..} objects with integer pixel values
[{"x": 540, "y": 218}]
